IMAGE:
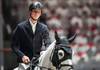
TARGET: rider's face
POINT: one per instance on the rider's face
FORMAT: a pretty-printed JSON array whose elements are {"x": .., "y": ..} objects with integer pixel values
[{"x": 35, "y": 14}]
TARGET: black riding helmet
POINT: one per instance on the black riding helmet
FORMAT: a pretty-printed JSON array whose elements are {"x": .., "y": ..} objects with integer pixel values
[{"x": 35, "y": 5}]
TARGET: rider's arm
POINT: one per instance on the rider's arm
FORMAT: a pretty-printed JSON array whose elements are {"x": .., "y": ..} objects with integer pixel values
[{"x": 15, "y": 45}]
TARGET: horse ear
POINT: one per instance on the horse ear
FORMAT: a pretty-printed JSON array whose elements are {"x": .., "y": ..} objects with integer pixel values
[
  {"x": 71, "y": 39},
  {"x": 57, "y": 38}
]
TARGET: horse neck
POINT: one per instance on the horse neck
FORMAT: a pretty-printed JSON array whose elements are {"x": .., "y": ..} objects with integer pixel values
[{"x": 45, "y": 57}]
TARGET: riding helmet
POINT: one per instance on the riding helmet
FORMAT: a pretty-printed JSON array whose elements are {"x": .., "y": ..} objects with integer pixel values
[{"x": 35, "y": 5}]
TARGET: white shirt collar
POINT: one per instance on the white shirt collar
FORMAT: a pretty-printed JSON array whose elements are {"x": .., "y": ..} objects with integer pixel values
[{"x": 33, "y": 25}]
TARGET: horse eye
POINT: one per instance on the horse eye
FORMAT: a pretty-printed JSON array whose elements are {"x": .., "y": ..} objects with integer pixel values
[{"x": 60, "y": 54}]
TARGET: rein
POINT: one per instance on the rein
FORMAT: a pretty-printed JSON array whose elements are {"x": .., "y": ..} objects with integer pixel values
[{"x": 34, "y": 64}]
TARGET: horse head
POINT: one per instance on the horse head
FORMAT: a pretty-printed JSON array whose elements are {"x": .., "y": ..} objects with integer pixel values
[{"x": 62, "y": 54}]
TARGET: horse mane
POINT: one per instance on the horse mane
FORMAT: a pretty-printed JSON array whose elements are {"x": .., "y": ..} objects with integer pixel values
[{"x": 44, "y": 59}]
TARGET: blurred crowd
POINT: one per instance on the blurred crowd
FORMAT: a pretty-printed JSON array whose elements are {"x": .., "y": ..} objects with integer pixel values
[{"x": 80, "y": 16}]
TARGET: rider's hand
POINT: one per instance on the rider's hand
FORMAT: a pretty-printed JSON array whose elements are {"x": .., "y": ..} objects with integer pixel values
[{"x": 25, "y": 59}]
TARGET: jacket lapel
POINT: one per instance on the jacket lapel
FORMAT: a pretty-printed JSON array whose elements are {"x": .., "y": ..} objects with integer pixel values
[
  {"x": 29, "y": 28},
  {"x": 37, "y": 29}
]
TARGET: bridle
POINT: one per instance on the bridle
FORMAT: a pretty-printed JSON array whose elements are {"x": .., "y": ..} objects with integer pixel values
[{"x": 54, "y": 56}]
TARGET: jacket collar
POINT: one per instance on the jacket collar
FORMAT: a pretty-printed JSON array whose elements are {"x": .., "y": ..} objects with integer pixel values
[{"x": 30, "y": 28}]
